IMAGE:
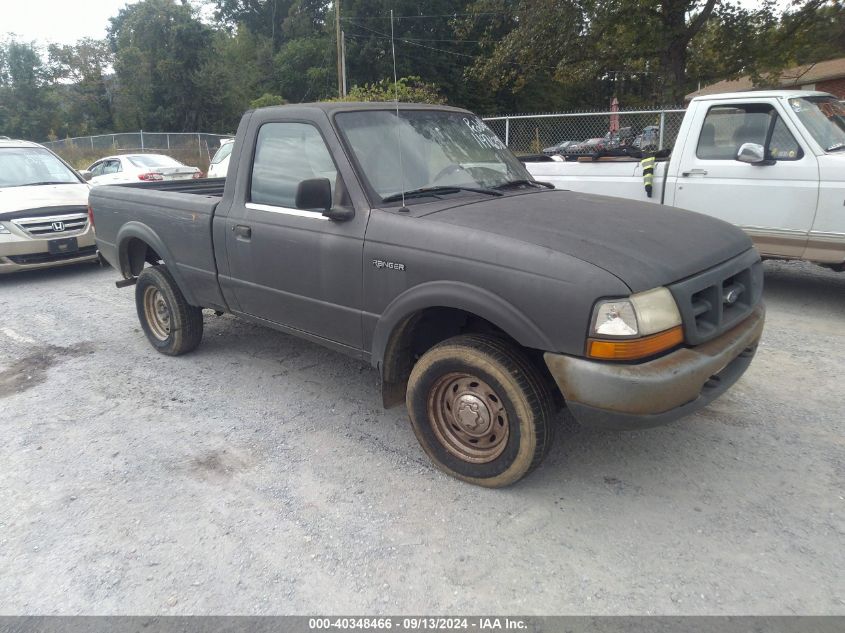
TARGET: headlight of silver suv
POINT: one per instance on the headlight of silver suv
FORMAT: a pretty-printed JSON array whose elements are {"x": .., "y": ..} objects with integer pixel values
[
  {"x": 642, "y": 325},
  {"x": 4, "y": 230}
]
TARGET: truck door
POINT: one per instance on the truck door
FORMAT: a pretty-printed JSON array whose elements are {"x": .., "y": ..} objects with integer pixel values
[
  {"x": 774, "y": 202},
  {"x": 292, "y": 266}
]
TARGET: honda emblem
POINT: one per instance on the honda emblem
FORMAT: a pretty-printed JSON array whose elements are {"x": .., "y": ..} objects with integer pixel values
[{"x": 58, "y": 226}]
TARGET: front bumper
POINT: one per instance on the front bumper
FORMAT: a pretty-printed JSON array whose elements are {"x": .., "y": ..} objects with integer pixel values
[
  {"x": 20, "y": 252},
  {"x": 612, "y": 395}
]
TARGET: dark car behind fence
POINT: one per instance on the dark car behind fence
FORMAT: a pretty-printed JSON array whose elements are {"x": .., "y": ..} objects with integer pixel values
[{"x": 531, "y": 133}]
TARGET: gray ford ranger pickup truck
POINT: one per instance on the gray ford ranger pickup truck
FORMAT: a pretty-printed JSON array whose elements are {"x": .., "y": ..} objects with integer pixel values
[{"x": 411, "y": 238}]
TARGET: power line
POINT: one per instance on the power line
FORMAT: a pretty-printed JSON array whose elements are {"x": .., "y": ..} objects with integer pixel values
[
  {"x": 417, "y": 17},
  {"x": 448, "y": 52},
  {"x": 424, "y": 39}
]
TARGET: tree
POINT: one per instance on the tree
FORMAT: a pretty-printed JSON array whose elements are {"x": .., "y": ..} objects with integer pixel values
[
  {"x": 267, "y": 100},
  {"x": 579, "y": 40},
  {"x": 405, "y": 89},
  {"x": 159, "y": 47},
  {"x": 27, "y": 107},
  {"x": 261, "y": 17},
  {"x": 78, "y": 73}
]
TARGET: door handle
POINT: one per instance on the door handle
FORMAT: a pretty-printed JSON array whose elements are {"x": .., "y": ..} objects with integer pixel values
[
  {"x": 694, "y": 172},
  {"x": 241, "y": 231}
]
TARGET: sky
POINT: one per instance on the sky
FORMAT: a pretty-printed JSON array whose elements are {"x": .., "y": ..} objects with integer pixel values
[
  {"x": 66, "y": 21},
  {"x": 57, "y": 21}
]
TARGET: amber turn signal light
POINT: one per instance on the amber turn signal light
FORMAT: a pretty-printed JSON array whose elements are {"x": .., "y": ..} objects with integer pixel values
[{"x": 632, "y": 349}]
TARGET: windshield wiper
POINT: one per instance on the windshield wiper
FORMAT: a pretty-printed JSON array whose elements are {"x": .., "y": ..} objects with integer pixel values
[
  {"x": 510, "y": 184},
  {"x": 836, "y": 148},
  {"x": 434, "y": 191},
  {"x": 46, "y": 182}
]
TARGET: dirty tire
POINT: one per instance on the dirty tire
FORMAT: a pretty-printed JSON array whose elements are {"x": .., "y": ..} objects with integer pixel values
[
  {"x": 480, "y": 410},
  {"x": 172, "y": 326}
]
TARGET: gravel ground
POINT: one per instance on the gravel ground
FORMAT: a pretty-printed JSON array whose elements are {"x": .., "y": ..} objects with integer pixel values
[{"x": 260, "y": 475}]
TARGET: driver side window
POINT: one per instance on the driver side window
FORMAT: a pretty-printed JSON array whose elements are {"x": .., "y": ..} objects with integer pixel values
[
  {"x": 726, "y": 128},
  {"x": 285, "y": 155}
]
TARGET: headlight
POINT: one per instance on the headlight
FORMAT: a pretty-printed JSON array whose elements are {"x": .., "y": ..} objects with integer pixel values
[
  {"x": 642, "y": 325},
  {"x": 4, "y": 230}
]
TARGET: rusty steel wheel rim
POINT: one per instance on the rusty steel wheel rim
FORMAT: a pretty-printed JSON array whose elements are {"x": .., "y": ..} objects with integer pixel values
[
  {"x": 157, "y": 313},
  {"x": 468, "y": 417}
]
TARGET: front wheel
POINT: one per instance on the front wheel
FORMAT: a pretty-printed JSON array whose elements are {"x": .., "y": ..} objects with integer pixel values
[
  {"x": 172, "y": 325},
  {"x": 480, "y": 410}
]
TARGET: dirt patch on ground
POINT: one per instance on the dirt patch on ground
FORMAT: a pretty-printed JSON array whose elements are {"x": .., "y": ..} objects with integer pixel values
[
  {"x": 218, "y": 465},
  {"x": 31, "y": 370}
]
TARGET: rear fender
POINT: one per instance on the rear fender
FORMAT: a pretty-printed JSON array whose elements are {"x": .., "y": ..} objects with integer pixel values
[{"x": 142, "y": 232}]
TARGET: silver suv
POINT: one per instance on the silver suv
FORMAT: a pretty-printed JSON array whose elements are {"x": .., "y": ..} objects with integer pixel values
[{"x": 43, "y": 210}]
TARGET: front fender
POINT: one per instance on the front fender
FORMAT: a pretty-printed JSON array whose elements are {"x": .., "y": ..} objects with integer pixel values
[{"x": 461, "y": 296}]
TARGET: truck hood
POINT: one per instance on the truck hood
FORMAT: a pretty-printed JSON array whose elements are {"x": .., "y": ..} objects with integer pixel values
[
  {"x": 645, "y": 245},
  {"x": 16, "y": 199}
]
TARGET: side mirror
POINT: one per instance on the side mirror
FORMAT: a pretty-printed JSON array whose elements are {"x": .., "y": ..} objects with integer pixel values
[
  {"x": 86, "y": 175},
  {"x": 315, "y": 194},
  {"x": 752, "y": 153}
]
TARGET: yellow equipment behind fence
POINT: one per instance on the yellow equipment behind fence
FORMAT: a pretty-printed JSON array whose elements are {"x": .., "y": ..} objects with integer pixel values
[{"x": 648, "y": 174}]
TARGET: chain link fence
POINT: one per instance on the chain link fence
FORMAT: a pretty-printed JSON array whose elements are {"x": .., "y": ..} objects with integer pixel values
[
  {"x": 570, "y": 133},
  {"x": 191, "y": 148},
  {"x": 588, "y": 132}
]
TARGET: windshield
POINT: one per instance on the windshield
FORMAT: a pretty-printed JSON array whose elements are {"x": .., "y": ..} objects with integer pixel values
[
  {"x": 21, "y": 166},
  {"x": 438, "y": 149},
  {"x": 223, "y": 152},
  {"x": 824, "y": 118},
  {"x": 154, "y": 160}
]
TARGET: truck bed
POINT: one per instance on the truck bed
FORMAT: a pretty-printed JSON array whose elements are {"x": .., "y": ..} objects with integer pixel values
[
  {"x": 618, "y": 178},
  {"x": 200, "y": 187},
  {"x": 170, "y": 214}
]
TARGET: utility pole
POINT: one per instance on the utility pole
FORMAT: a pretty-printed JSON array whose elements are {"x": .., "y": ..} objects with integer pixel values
[
  {"x": 340, "y": 90},
  {"x": 343, "y": 59}
]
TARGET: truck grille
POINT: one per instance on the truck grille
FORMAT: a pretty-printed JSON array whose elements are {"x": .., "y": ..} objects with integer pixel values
[
  {"x": 54, "y": 225},
  {"x": 718, "y": 299}
]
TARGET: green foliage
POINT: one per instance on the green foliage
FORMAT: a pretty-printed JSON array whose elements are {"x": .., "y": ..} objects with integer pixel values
[
  {"x": 78, "y": 73},
  {"x": 266, "y": 100},
  {"x": 159, "y": 46},
  {"x": 27, "y": 104},
  {"x": 166, "y": 66},
  {"x": 406, "y": 89},
  {"x": 304, "y": 69}
]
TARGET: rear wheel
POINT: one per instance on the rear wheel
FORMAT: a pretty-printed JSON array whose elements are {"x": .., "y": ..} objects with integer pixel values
[
  {"x": 480, "y": 410},
  {"x": 172, "y": 326}
]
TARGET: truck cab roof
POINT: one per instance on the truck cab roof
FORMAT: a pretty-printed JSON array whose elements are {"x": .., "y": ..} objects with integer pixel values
[
  {"x": 331, "y": 107},
  {"x": 11, "y": 142},
  {"x": 762, "y": 94}
]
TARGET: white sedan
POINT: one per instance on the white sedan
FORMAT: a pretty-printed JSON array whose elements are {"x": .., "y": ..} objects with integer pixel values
[
  {"x": 220, "y": 163},
  {"x": 114, "y": 170}
]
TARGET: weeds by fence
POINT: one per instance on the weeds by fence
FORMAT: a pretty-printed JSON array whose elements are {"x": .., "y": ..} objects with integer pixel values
[{"x": 192, "y": 148}]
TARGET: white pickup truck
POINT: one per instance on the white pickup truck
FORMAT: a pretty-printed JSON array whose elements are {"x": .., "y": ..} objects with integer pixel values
[{"x": 772, "y": 163}]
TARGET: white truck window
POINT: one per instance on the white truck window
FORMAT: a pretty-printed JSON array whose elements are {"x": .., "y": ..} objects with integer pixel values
[
  {"x": 224, "y": 151},
  {"x": 727, "y": 127},
  {"x": 111, "y": 167}
]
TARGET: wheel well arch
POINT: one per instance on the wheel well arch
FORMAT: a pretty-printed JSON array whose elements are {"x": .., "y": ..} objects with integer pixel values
[
  {"x": 412, "y": 325},
  {"x": 138, "y": 245},
  {"x": 134, "y": 253},
  {"x": 421, "y": 330}
]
